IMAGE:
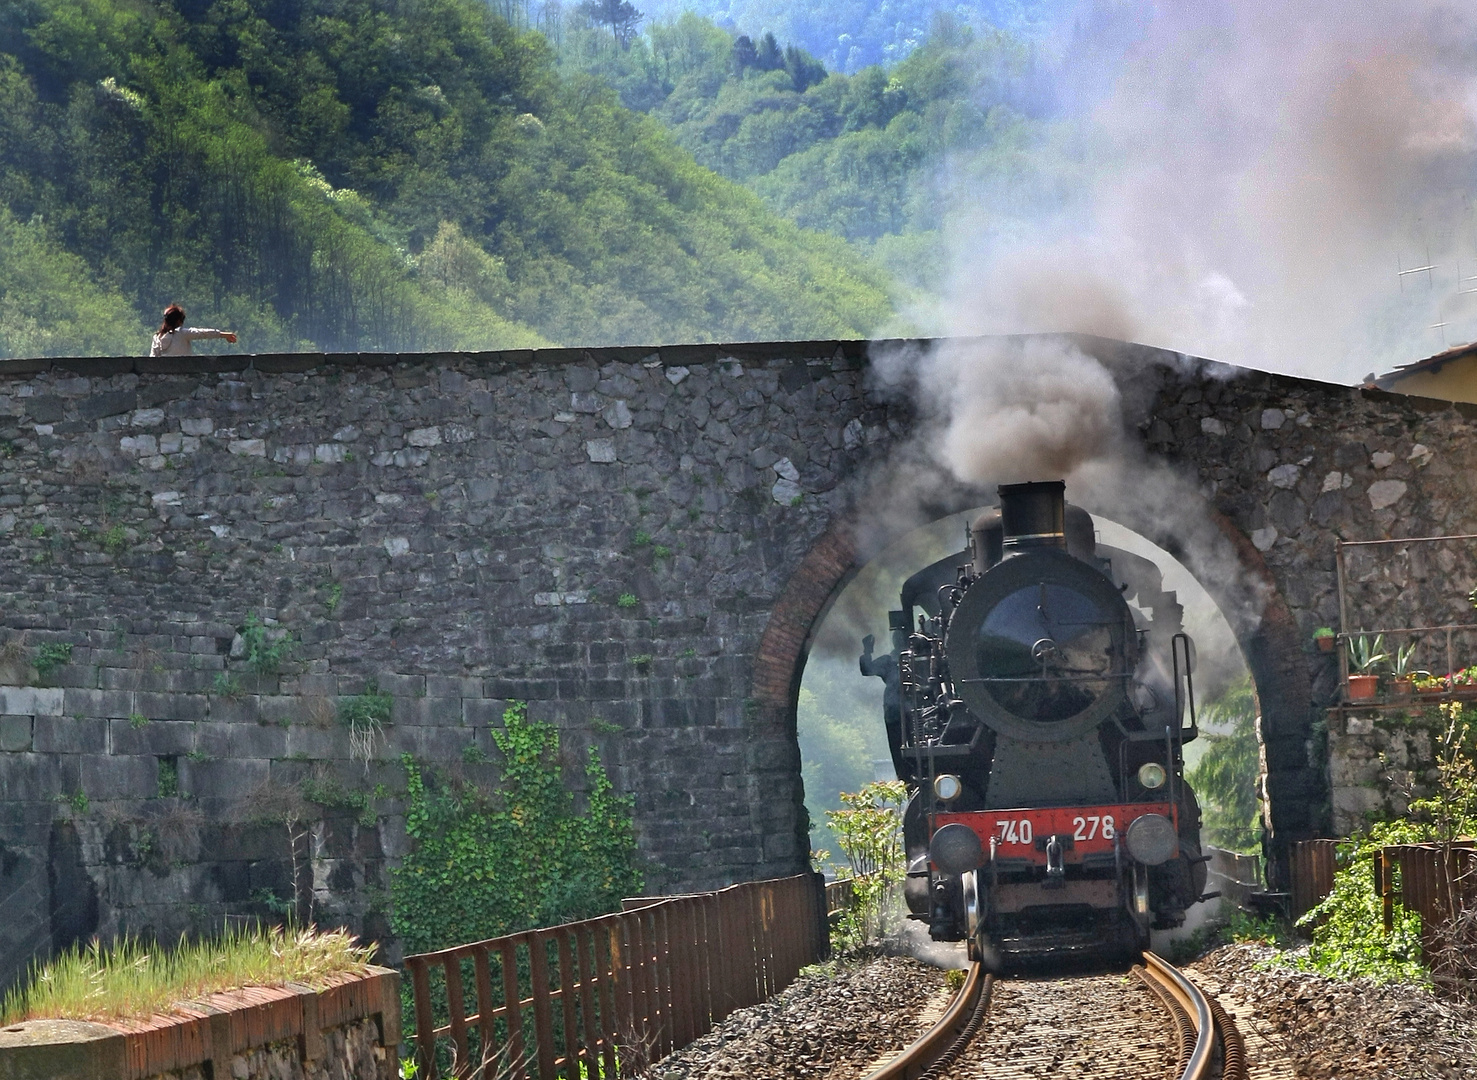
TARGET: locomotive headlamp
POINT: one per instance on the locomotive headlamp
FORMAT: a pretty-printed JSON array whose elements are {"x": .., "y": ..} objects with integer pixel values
[
  {"x": 947, "y": 787},
  {"x": 1152, "y": 775}
]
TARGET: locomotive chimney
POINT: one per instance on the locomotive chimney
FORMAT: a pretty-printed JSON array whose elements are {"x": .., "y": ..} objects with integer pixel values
[
  {"x": 985, "y": 540},
  {"x": 1034, "y": 515}
]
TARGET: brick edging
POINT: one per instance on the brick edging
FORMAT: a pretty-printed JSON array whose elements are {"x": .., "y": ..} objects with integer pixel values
[
  {"x": 214, "y": 1028},
  {"x": 803, "y": 600}
]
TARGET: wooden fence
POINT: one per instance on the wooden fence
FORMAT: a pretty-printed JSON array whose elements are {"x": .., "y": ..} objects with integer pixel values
[
  {"x": 592, "y": 998},
  {"x": 838, "y": 897},
  {"x": 1312, "y": 865}
]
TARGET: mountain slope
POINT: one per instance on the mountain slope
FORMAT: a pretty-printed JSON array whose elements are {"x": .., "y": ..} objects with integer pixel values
[{"x": 365, "y": 175}]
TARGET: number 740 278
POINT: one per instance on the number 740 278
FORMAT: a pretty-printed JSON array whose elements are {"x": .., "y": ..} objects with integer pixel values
[{"x": 1084, "y": 827}]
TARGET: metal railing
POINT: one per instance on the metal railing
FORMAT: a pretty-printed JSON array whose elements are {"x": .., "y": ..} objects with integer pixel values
[
  {"x": 1445, "y": 635},
  {"x": 616, "y": 992},
  {"x": 1435, "y": 880},
  {"x": 1311, "y": 866}
]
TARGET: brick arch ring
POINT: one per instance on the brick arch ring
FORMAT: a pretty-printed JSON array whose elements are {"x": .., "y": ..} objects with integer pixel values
[{"x": 1271, "y": 645}]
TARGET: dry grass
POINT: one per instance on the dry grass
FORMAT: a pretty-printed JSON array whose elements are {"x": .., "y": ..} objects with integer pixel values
[{"x": 131, "y": 981}]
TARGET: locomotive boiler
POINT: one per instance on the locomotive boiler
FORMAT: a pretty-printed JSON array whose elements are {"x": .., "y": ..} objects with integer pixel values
[{"x": 1039, "y": 696}]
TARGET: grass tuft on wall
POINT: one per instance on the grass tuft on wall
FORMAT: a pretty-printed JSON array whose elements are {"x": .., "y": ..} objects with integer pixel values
[{"x": 132, "y": 980}]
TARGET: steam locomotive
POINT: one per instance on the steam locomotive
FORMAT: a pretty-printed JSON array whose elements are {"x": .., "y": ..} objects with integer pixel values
[{"x": 1036, "y": 705}]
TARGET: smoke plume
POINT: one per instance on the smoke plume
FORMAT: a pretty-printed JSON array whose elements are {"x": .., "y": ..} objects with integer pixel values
[
  {"x": 1243, "y": 180},
  {"x": 1007, "y": 410}
]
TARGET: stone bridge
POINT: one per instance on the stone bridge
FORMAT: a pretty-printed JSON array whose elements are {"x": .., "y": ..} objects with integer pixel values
[{"x": 636, "y": 542}]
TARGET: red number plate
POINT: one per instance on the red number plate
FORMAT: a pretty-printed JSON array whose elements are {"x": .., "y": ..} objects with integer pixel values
[{"x": 1015, "y": 833}]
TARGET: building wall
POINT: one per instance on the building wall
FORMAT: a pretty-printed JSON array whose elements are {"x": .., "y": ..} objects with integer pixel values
[{"x": 1455, "y": 381}]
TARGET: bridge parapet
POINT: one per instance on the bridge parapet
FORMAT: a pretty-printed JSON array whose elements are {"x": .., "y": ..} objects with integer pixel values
[{"x": 637, "y": 542}]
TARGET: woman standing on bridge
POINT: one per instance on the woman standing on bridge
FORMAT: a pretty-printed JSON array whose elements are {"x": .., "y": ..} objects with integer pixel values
[{"x": 173, "y": 337}]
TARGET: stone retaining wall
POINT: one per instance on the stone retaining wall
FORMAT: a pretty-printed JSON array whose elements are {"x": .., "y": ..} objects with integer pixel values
[
  {"x": 600, "y": 535},
  {"x": 1380, "y": 761}
]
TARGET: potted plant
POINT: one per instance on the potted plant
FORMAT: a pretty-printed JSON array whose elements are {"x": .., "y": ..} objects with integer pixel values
[
  {"x": 1403, "y": 671},
  {"x": 1463, "y": 681},
  {"x": 1430, "y": 686},
  {"x": 1365, "y": 656},
  {"x": 1324, "y": 638}
]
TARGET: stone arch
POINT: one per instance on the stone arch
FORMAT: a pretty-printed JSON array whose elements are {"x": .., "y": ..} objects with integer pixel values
[{"x": 1270, "y": 644}]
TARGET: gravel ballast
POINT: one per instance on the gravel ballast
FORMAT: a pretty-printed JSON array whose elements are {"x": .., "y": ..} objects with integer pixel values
[
  {"x": 1325, "y": 1027},
  {"x": 831, "y": 1027}
]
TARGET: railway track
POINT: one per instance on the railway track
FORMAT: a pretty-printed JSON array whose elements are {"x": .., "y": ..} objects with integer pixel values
[{"x": 1205, "y": 1042}]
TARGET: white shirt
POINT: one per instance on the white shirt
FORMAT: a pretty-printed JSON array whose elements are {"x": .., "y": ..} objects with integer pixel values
[{"x": 177, "y": 342}]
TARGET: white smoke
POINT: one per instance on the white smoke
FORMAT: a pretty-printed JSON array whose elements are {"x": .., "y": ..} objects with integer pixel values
[{"x": 1242, "y": 183}]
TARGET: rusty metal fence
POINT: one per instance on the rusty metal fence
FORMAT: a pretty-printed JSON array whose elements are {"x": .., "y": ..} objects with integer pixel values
[
  {"x": 1311, "y": 865},
  {"x": 589, "y": 999},
  {"x": 838, "y": 897},
  {"x": 1434, "y": 881}
]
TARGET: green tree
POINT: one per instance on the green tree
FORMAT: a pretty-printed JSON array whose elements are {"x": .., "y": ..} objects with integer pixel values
[
  {"x": 1227, "y": 777},
  {"x": 840, "y": 736},
  {"x": 49, "y": 305},
  {"x": 307, "y": 172}
]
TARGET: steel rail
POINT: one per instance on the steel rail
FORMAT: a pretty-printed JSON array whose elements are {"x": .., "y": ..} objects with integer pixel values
[
  {"x": 1214, "y": 1030},
  {"x": 1194, "y": 1003},
  {"x": 949, "y": 1035}
]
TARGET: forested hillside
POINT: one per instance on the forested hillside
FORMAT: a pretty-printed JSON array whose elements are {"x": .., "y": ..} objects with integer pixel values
[
  {"x": 849, "y": 35},
  {"x": 352, "y": 174},
  {"x": 876, "y": 157}
]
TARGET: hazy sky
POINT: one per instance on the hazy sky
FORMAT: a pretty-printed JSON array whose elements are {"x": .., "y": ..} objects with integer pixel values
[{"x": 1255, "y": 175}]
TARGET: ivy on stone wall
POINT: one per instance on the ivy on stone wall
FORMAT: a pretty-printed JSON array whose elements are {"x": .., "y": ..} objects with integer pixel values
[{"x": 484, "y": 864}]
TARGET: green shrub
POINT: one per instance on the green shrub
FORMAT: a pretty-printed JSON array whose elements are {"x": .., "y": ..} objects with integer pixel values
[
  {"x": 485, "y": 864},
  {"x": 1348, "y": 929},
  {"x": 264, "y": 652},
  {"x": 626, "y": 600},
  {"x": 51, "y": 656},
  {"x": 1243, "y": 926},
  {"x": 870, "y": 833}
]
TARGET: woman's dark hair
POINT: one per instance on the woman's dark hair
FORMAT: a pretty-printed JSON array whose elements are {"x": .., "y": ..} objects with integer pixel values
[{"x": 174, "y": 318}]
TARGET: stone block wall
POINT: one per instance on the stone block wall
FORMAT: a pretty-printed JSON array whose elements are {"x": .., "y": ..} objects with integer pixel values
[
  {"x": 637, "y": 543},
  {"x": 1381, "y": 760},
  {"x": 599, "y": 536}
]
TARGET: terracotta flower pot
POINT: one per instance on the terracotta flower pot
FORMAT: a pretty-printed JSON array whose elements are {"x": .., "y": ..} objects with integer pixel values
[
  {"x": 1325, "y": 644},
  {"x": 1363, "y": 687},
  {"x": 1403, "y": 686}
]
